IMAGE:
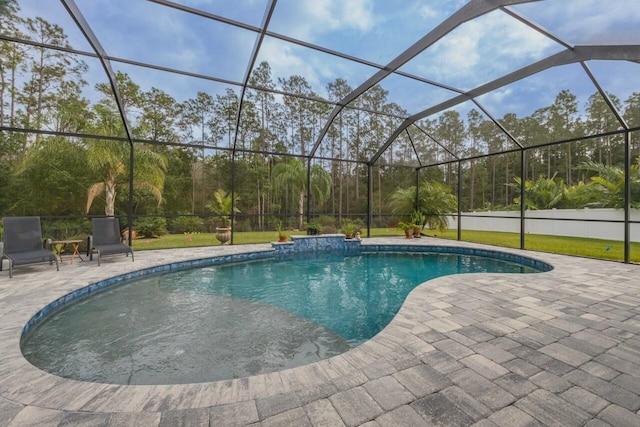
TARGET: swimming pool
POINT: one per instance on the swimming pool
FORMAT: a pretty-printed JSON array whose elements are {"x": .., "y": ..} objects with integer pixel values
[{"x": 229, "y": 321}]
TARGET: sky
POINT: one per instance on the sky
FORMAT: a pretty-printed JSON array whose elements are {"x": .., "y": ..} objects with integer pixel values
[{"x": 376, "y": 31}]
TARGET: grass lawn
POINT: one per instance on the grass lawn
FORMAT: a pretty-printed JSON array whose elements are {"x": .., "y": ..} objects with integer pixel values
[{"x": 593, "y": 248}]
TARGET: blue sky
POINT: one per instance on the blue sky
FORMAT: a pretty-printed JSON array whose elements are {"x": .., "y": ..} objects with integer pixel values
[{"x": 375, "y": 30}]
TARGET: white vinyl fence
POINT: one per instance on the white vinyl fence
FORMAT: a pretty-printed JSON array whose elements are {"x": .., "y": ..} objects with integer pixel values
[{"x": 565, "y": 222}]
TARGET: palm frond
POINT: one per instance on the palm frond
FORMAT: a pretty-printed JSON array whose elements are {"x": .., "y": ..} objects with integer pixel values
[{"x": 94, "y": 191}]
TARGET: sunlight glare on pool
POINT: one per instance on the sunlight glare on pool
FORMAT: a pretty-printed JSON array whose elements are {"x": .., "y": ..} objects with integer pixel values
[{"x": 236, "y": 320}]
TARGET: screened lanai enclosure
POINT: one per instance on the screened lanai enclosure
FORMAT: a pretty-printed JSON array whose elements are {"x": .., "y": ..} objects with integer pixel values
[{"x": 509, "y": 122}]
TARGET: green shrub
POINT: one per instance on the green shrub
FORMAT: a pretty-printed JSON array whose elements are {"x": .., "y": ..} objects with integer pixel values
[
  {"x": 328, "y": 229},
  {"x": 150, "y": 226},
  {"x": 326, "y": 220},
  {"x": 185, "y": 224}
]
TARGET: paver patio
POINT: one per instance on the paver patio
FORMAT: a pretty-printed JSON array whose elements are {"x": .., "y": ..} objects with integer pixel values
[{"x": 560, "y": 348}]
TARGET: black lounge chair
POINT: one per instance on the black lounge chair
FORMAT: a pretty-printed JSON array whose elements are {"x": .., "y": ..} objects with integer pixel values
[
  {"x": 23, "y": 242},
  {"x": 106, "y": 238}
]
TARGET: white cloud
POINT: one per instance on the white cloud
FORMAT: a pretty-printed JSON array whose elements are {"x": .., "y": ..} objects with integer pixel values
[
  {"x": 310, "y": 19},
  {"x": 481, "y": 50},
  {"x": 588, "y": 21},
  {"x": 519, "y": 40},
  {"x": 356, "y": 14},
  {"x": 320, "y": 10},
  {"x": 501, "y": 101},
  {"x": 285, "y": 62},
  {"x": 455, "y": 55},
  {"x": 427, "y": 12}
]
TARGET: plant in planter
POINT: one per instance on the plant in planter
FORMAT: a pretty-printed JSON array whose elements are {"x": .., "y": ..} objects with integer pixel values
[
  {"x": 282, "y": 235},
  {"x": 313, "y": 229},
  {"x": 221, "y": 205},
  {"x": 348, "y": 228},
  {"x": 408, "y": 228},
  {"x": 418, "y": 219}
]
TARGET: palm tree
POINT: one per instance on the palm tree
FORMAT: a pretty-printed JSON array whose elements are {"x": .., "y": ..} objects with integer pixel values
[
  {"x": 292, "y": 176},
  {"x": 543, "y": 193},
  {"x": 609, "y": 184},
  {"x": 435, "y": 202},
  {"x": 109, "y": 160},
  {"x": 221, "y": 205}
]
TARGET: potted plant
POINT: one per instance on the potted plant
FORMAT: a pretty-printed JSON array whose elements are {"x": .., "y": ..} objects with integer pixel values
[
  {"x": 348, "y": 228},
  {"x": 282, "y": 236},
  {"x": 221, "y": 205},
  {"x": 418, "y": 219},
  {"x": 408, "y": 228},
  {"x": 313, "y": 229}
]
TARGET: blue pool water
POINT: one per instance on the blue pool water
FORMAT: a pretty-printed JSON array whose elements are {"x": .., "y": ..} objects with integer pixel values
[{"x": 236, "y": 320}]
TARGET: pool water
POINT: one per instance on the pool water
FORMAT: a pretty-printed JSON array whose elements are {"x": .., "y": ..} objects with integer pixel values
[{"x": 236, "y": 320}]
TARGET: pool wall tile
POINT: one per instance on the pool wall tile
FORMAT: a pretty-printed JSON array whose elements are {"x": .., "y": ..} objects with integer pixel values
[
  {"x": 327, "y": 242},
  {"x": 504, "y": 256}
]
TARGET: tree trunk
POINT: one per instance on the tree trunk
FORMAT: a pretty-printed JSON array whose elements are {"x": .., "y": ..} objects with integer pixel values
[
  {"x": 203, "y": 170},
  {"x": 340, "y": 187},
  {"x": 473, "y": 180},
  {"x": 193, "y": 188},
  {"x": 40, "y": 93},
  {"x": 348, "y": 192},
  {"x": 3, "y": 85},
  {"x": 569, "y": 166},
  {"x": 493, "y": 181},
  {"x": 380, "y": 194},
  {"x": 301, "y": 210},
  {"x": 110, "y": 196},
  {"x": 13, "y": 97},
  {"x": 506, "y": 187},
  {"x": 259, "y": 202}
]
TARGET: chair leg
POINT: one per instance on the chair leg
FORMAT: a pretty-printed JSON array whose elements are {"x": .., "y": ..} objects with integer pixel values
[
  {"x": 10, "y": 269},
  {"x": 90, "y": 248}
]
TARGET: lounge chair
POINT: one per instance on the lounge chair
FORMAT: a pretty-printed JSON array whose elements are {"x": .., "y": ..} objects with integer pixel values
[
  {"x": 23, "y": 242},
  {"x": 106, "y": 238}
]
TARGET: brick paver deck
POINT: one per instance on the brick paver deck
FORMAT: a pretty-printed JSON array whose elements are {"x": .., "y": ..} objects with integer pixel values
[{"x": 560, "y": 348}]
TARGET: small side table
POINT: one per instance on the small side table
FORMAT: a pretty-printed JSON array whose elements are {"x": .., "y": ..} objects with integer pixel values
[{"x": 59, "y": 245}]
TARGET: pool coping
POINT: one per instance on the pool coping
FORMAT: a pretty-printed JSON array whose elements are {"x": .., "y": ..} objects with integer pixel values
[{"x": 34, "y": 287}]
